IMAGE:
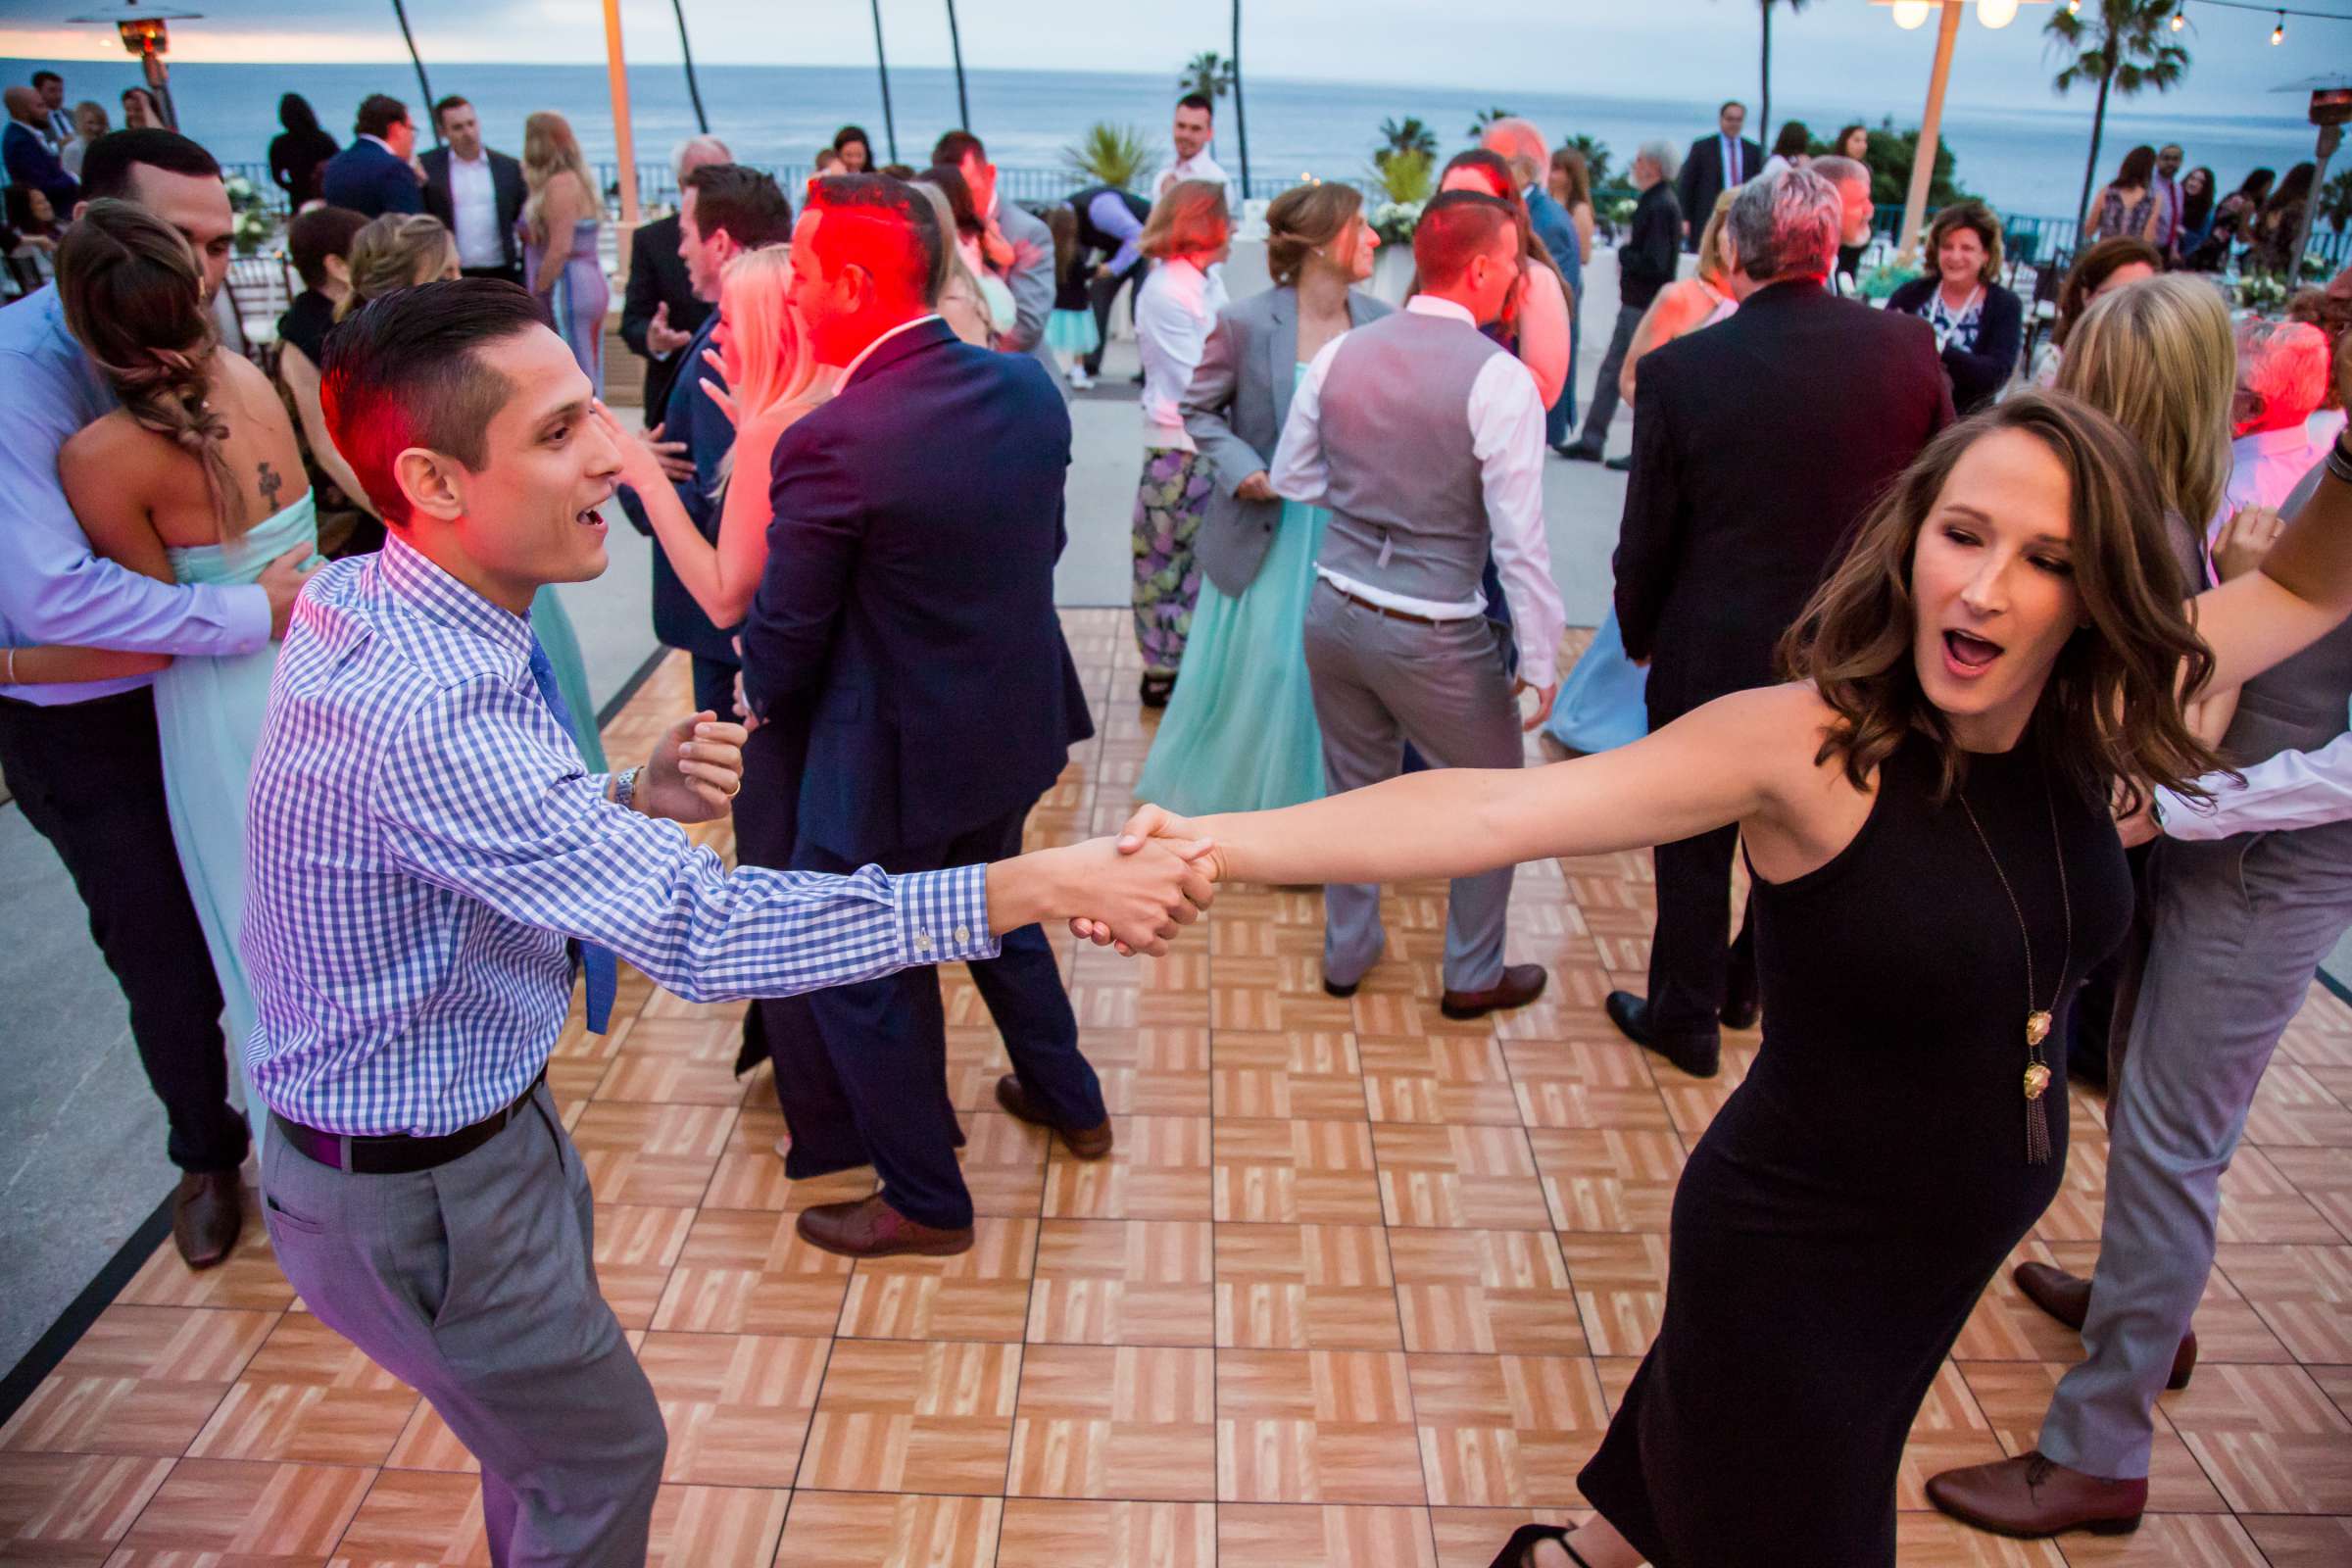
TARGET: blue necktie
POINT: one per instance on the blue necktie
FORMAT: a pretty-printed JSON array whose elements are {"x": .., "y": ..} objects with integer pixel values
[{"x": 602, "y": 969}]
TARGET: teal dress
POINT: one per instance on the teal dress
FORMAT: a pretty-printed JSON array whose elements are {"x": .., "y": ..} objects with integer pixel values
[
  {"x": 1240, "y": 733},
  {"x": 208, "y": 717},
  {"x": 553, "y": 628}
]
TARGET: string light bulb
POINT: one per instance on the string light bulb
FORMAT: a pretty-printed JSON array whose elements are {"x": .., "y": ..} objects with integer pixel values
[
  {"x": 1910, "y": 14},
  {"x": 2073, "y": 8},
  {"x": 2278, "y": 34},
  {"x": 1996, "y": 13},
  {"x": 2179, "y": 20}
]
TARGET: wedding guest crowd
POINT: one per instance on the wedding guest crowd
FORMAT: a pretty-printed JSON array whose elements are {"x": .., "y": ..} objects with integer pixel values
[{"x": 1646, "y": 261}]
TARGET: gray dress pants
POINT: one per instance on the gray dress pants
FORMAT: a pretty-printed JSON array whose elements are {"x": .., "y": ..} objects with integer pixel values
[
  {"x": 474, "y": 1284},
  {"x": 1378, "y": 683},
  {"x": 2240, "y": 927},
  {"x": 1604, "y": 386}
]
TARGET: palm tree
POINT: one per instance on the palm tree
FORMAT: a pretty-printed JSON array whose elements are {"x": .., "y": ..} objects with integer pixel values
[
  {"x": 1208, "y": 74},
  {"x": 890, "y": 128},
  {"x": 2334, "y": 202},
  {"x": 686, "y": 51},
  {"x": 1596, "y": 159},
  {"x": 1241, "y": 122},
  {"x": 1485, "y": 118},
  {"x": 1408, "y": 136},
  {"x": 2123, "y": 45},
  {"x": 964, "y": 108},
  {"x": 1764, "y": 90}
]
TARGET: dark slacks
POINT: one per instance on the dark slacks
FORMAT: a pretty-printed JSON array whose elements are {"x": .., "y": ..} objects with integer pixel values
[
  {"x": 879, "y": 1093},
  {"x": 1603, "y": 407},
  {"x": 1102, "y": 293},
  {"x": 512, "y": 272},
  {"x": 715, "y": 686},
  {"x": 1692, "y": 956},
  {"x": 90, "y": 777}
]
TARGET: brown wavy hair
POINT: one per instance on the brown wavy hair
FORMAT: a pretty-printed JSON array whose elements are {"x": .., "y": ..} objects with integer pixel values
[
  {"x": 2095, "y": 265},
  {"x": 134, "y": 298},
  {"x": 2110, "y": 718},
  {"x": 1304, "y": 218}
]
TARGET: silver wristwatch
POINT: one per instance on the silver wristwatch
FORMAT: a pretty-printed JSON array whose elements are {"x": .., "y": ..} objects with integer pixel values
[{"x": 625, "y": 788}]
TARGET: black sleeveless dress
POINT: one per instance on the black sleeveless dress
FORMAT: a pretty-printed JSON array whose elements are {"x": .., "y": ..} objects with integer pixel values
[{"x": 1835, "y": 1225}]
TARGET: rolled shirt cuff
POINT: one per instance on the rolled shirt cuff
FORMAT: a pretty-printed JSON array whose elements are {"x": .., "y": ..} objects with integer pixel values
[{"x": 943, "y": 915}]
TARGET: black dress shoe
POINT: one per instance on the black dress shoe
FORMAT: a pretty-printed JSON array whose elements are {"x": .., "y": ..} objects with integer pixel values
[
  {"x": 1699, "y": 1056},
  {"x": 1578, "y": 452},
  {"x": 208, "y": 1213},
  {"x": 1339, "y": 988},
  {"x": 1155, "y": 690},
  {"x": 1520, "y": 984},
  {"x": 1740, "y": 1003},
  {"x": 1624, "y": 464}
]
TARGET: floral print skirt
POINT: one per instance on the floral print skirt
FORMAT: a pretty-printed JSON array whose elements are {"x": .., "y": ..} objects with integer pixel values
[{"x": 1168, "y": 507}]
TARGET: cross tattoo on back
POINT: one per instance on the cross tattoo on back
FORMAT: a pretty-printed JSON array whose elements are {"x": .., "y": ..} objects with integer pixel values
[{"x": 271, "y": 483}]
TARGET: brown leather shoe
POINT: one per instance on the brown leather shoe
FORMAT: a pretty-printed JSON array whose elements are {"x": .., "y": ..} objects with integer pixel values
[
  {"x": 1521, "y": 984},
  {"x": 2067, "y": 1298},
  {"x": 208, "y": 1213},
  {"x": 1087, "y": 1143},
  {"x": 871, "y": 1228},
  {"x": 2031, "y": 1496}
]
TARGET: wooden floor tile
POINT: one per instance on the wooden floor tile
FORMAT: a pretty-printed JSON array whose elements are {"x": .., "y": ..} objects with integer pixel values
[
  {"x": 1600, "y": 1080},
  {"x": 841, "y": 1530},
  {"x": 2303, "y": 1294},
  {"x": 309, "y": 1395},
  {"x": 1469, "y": 1537},
  {"x": 1305, "y": 1287},
  {"x": 1316, "y": 1426},
  {"x": 747, "y": 1271},
  {"x": 715, "y": 1527},
  {"x": 1607, "y": 1179},
  {"x": 2302, "y": 1541},
  {"x": 1295, "y": 1172},
  {"x": 1620, "y": 1289},
  {"x": 1123, "y": 1281},
  {"x": 1488, "y": 1292},
  {"x": 2269, "y": 1437},
  {"x": 737, "y": 1405},
  {"x": 1473, "y": 1177},
  {"x": 660, "y": 1156},
  {"x": 1042, "y": 1534},
  {"x": 979, "y": 1295},
  {"x": 1438, "y": 1078},
  {"x": 1305, "y": 1074},
  {"x": 896, "y": 1415},
  {"x": 249, "y": 1509},
  {"x": 55, "y": 1507},
  {"x": 1127, "y": 1421},
  {"x": 1505, "y": 1430},
  {"x": 1262, "y": 1536},
  {"x": 2205, "y": 1540},
  {"x": 1158, "y": 1169},
  {"x": 140, "y": 1380},
  {"x": 416, "y": 1516}
]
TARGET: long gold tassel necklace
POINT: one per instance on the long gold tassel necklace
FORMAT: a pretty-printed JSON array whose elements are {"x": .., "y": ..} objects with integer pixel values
[{"x": 2038, "y": 1020}]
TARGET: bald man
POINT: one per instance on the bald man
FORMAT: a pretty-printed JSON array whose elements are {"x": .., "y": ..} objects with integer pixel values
[{"x": 25, "y": 150}]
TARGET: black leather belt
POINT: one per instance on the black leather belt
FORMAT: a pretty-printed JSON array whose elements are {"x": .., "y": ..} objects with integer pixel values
[
  {"x": 1381, "y": 610},
  {"x": 396, "y": 1154}
]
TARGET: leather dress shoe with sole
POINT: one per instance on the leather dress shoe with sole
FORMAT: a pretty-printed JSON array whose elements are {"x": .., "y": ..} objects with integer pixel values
[
  {"x": 207, "y": 1214},
  {"x": 1699, "y": 1056},
  {"x": 2067, "y": 1298},
  {"x": 2031, "y": 1496},
  {"x": 1521, "y": 984},
  {"x": 870, "y": 1228},
  {"x": 1342, "y": 989},
  {"x": 1087, "y": 1143}
]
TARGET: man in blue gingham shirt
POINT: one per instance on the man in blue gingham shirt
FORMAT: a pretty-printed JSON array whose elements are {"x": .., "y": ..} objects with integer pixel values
[{"x": 428, "y": 864}]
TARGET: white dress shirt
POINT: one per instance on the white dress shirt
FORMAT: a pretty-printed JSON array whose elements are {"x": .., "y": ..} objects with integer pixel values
[
  {"x": 1735, "y": 163},
  {"x": 2291, "y": 790},
  {"x": 473, "y": 203},
  {"x": 1506, "y": 431},
  {"x": 1174, "y": 311},
  {"x": 2264, "y": 468},
  {"x": 1201, "y": 167}
]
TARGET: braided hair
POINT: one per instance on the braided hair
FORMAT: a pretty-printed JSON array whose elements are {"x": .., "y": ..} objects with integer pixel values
[{"x": 133, "y": 297}]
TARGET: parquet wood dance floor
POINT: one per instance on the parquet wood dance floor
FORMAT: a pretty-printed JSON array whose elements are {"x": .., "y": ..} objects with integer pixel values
[{"x": 1358, "y": 1288}]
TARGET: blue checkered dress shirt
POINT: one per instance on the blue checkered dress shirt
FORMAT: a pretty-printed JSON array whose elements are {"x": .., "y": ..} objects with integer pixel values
[{"x": 425, "y": 844}]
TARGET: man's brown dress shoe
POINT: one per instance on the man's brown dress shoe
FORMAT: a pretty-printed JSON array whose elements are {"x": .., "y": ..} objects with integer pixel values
[
  {"x": 1521, "y": 984},
  {"x": 2031, "y": 1496},
  {"x": 871, "y": 1228},
  {"x": 2067, "y": 1298},
  {"x": 1087, "y": 1143},
  {"x": 207, "y": 1212}
]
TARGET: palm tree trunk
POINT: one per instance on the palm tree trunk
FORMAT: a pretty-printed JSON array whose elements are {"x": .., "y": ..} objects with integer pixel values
[
  {"x": 2091, "y": 170},
  {"x": 686, "y": 52},
  {"x": 1240, "y": 120},
  {"x": 1764, "y": 88},
  {"x": 401, "y": 13},
  {"x": 890, "y": 127},
  {"x": 964, "y": 108}
]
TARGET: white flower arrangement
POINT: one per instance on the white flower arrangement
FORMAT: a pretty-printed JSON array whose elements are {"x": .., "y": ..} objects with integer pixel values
[{"x": 1394, "y": 221}]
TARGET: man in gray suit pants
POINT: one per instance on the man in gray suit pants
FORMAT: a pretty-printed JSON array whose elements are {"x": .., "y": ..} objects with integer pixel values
[
  {"x": 1031, "y": 275},
  {"x": 1425, "y": 440},
  {"x": 2250, "y": 893}
]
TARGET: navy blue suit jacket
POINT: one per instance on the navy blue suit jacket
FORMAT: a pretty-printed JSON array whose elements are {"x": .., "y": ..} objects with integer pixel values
[
  {"x": 369, "y": 180},
  {"x": 690, "y": 415},
  {"x": 29, "y": 162},
  {"x": 908, "y": 606}
]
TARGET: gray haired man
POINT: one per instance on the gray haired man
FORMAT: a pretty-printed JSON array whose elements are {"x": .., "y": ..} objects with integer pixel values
[
  {"x": 660, "y": 313},
  {"x": 1646, "y": 259}
]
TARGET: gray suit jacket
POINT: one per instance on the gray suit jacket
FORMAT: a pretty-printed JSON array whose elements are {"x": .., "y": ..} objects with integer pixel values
[
  {"x": 1032, "y": 283},
  {"x": 1234, "y": 412}
]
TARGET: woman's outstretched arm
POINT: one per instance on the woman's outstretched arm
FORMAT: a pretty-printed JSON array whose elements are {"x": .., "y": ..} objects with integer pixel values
[{"x": 721, "y": 577}]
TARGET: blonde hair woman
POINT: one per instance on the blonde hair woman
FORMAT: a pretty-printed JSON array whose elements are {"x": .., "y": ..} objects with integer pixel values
[
  {"x": 1187, "y": 234},
  {"x": 1687, "y": 304},
  {"x": 398, "y": 249},
  {"x": 771, "y": 380},
  {"x": 559, "y": 222}
]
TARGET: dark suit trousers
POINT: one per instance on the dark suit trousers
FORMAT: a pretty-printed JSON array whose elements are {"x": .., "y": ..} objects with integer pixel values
[
  {"x": 512, "y": 272},
  {"x": 90, "y": 777},
  {"x": 1692, "y": 956},
  {"x": 1101, "y": 293},
  {"x": 886, "y": 1040}
]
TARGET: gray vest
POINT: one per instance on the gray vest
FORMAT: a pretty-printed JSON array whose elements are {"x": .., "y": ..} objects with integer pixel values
[
  {"x": 1408, "y": 509},
  {"x": 2298, "y": 705}
]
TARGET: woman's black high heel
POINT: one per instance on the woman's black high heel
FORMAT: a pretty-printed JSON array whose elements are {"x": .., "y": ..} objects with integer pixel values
[{"x": 1520, "y": 1550}]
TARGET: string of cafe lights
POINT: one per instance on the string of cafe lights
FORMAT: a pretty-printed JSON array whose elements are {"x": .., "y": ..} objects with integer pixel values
[{"x": 2277, "y": 28}]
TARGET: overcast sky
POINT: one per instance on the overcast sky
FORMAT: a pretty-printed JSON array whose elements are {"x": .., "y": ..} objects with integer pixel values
[{"x": 1837, "y": 50}]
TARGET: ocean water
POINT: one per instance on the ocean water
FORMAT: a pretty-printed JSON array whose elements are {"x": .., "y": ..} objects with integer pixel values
[{"x": 2024, "y": 161}]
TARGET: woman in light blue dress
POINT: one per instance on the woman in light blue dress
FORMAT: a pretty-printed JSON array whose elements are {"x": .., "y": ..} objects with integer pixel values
[
  {"x": 1240, "y": 732},
  {"x": 559, "y": 225},
  {"x": 196, "y": 478}
]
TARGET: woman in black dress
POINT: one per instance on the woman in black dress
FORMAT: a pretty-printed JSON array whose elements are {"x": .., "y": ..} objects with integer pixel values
[
  {"x": 297, "y": 153},
  {"x": 1926, "y": 814}
]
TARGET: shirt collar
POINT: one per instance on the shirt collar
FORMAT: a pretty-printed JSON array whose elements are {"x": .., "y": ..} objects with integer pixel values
[
  {"x": 867, "y": 352},
  {"x": 1443, "y": 310},
  {"x": 2269, "y": 443},
  {"x": 424, "y": 586}
]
